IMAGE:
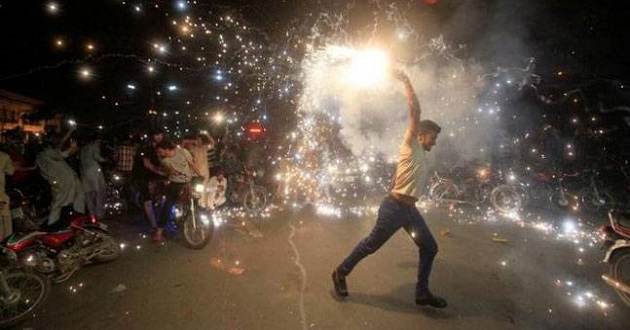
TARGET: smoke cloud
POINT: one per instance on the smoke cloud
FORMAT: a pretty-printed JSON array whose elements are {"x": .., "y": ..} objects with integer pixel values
[{"x": 449, "y": 74}]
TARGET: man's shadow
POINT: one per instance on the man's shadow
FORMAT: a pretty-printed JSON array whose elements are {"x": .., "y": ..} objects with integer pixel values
[{"x": 398, "y": 300}]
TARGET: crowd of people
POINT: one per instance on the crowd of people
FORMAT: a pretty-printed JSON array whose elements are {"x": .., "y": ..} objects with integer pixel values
[{"x": 73, "y": 168}]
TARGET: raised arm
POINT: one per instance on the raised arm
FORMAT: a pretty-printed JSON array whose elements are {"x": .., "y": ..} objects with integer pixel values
[
  {"x": 66, "y": 137},
  {"x": 191, "y": 162},
  {"x": 412, "y": 103}
]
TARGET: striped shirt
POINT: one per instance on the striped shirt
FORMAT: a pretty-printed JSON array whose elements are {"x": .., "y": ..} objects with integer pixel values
[{"x": 124, "y": 158}]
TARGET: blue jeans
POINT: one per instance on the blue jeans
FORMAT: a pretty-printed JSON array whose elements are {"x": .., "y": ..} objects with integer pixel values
[{"x": 392, "y": 215}]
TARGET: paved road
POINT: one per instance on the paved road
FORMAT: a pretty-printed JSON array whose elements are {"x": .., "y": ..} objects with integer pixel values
[{"x": 496, "y": 274}]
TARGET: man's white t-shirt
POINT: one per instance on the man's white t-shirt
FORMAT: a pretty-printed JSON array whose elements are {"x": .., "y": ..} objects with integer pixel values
[
  {"x": 412, "y": 168},
  {"x": 181, "y": 172}
]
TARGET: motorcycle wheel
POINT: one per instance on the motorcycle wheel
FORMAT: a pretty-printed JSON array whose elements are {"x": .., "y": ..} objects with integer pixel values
[
  {"x": 109, "y": 248},
  {"x": 442, "y": 191},
  {"x": 196, "y": 238},
  {"x": 620, "y": 271},
  {"x": 255, "y": 199},
  {"x": 27, "y": 292},
  {"x": 505, "y": 198}
]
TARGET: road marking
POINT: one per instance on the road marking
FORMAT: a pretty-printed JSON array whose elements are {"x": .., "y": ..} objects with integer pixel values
[{"x": 303, "y": 277}]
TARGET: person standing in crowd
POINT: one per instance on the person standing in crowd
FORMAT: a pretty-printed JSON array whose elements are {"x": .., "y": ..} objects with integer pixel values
[
  {"x": 6, "y": 223},
  {"x": 197, "y": 149},
  {"x": 216, "y": 189},
  {"x": 234, "y": 171},
  {"x": 124, "y": 156},
  {"x": 66, "y": 188},
  {"x": 212, "y": 154},
  {"x": 179, "y": 165},
  {"x": 398, "y": 208},
  {"x": 200, "y": 156},
  {"x": 146, "y": 172},
  {"x": 92, "y": 176}
]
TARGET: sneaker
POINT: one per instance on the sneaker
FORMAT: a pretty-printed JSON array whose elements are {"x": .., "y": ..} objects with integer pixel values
[
  {"x": 341, "y": 289},
  {"x": 431, "y": 300}
]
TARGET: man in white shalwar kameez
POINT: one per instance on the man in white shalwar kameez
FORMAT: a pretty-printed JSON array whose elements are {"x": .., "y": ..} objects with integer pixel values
[
  {"x": 66, "y": 188},
  {"x": 92, "y": 177}
]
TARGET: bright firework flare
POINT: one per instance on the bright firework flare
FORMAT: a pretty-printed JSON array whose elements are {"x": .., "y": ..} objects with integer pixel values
[{"x": 363, "y": 67}]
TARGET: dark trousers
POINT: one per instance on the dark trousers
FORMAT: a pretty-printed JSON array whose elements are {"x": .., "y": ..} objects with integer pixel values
[
  {"x": 171, "y": 195},
  {"x": 392, "y": 215}
]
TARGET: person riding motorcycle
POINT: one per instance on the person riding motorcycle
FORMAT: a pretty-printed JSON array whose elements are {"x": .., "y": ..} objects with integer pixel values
[{"x": 179, "y": 165}]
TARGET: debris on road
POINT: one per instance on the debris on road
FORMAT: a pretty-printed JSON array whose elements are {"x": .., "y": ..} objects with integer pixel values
[
  {"x": 222, "y": 265},
  {"x": 119, "y": 288},
  {"x": 499, "y": 240}
]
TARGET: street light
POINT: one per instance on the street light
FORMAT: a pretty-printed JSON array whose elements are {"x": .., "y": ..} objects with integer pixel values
[
  {"x": 85, "y": 73},
  {"x": 52, "y": 7}
]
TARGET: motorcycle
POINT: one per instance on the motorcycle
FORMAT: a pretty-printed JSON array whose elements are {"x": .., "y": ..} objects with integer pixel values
[
  {"x": 22, "y": 292},
  {"x": 617, "y": 245},
  {"x": 510, "y": 195},
  {"x": 243, "y": 189},
  {"x": 462, "y": 186},
  {"x": 59, "y": 254},
  {"x": 196, "y": 223}
]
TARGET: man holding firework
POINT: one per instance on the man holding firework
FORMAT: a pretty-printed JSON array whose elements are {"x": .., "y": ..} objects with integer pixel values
[{"x": 398, "y": 208}]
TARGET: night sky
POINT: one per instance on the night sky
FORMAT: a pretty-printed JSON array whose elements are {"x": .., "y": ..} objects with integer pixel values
[{"x": 102, "y": 61}]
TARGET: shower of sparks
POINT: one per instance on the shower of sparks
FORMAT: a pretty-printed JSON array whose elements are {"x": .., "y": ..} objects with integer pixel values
[
  {"x": 582, "y": 298},
  {"x": 343, "y": 153},
  {"x": 351, "y": 114}
]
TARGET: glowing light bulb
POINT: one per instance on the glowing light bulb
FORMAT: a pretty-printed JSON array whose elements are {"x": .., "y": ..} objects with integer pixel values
[
  {"x": 52, "y": 7},
  {"x": 85, "y": 73}
]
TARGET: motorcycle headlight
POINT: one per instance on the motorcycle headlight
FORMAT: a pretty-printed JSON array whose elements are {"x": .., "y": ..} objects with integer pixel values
[
  {"x": 30, "y": 260},
  {"x": 205, "y": 219}
]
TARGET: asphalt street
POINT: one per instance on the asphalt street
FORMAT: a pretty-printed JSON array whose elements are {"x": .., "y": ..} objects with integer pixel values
[{"x": 496, "y": 273}]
